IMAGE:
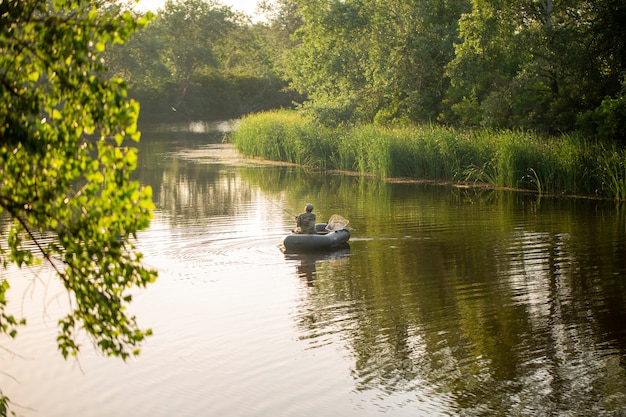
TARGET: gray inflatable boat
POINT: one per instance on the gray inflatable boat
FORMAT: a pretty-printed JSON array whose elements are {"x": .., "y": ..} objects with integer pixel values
[{"x": 324, "y": 239}]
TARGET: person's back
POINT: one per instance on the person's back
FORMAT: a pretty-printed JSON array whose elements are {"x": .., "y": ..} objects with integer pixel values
[{"x": 305, "y": 222}]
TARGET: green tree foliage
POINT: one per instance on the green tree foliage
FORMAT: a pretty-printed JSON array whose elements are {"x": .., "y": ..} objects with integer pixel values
[
  {"x": 541, "y": 65},
  {"x": 416, "y": 43},
  {"x": 546, "y": 65},
  {"x": 375, "y": 60},
  {"x": 283, "y": 20},
  {"x": 189, "y": 31},
  {"x": 202, "y": 59},
  {"x": 65, "y": 183},
  {"x": 536, "y": 64}
]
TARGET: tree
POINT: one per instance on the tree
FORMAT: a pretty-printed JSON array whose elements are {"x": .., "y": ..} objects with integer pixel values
[
  {"x": 537, "y": 65},
  {"x": 485, "y": 62},
  {"x": 367, "y": 60},
  {"x": 413, "y": 44},
  {"x": 204, "y": 60},
  {"x": 65, "y": 168},
  {"x": 328, "y": 63},
  {"x": 284, "y": 20}
]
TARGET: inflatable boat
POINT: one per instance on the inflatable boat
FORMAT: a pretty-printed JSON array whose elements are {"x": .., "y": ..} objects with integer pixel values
[{"x": 323, "y": 240}]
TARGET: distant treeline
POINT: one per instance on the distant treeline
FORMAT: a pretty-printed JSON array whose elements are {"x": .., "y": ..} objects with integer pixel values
[
  {"x": 542, "y": 65},
  {"x": 200, "y": 60}
]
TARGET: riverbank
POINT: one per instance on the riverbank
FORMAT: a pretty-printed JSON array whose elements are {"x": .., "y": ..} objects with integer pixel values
[{"x": 563, "y": 165}]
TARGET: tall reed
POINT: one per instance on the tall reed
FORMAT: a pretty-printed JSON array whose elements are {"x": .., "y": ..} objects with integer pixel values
[
  {"x": 567, "y": 164},
  {"x": 612, "y": 166},
  {"x": 283, "y": 136}
]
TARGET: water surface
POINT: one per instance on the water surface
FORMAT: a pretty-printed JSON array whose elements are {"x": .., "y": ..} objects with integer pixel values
[{"x": 449, "y": 301}]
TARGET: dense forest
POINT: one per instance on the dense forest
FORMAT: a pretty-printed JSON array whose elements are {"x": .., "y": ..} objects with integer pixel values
[
  {"x": 200, "y": 60},
  {"x": 541, "y": 65}
]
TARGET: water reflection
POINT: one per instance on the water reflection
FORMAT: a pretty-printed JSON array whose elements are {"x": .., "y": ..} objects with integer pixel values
[
  {"x": 451, "y": 300},
  {"x": 448, "y": 301},
  {"x": 307, "y": 263},
  {"x": 512, "y": 305}
]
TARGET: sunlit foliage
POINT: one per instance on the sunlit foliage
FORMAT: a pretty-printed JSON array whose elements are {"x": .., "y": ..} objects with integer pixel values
[{"x": 65, "y": 190}]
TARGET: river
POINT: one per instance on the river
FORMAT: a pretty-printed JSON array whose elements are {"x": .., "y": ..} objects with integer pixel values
[{"x": 449, "y": 301}]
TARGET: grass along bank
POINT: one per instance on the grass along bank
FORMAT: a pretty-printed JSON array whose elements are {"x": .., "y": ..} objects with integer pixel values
[{"x": 567, "y": 164}]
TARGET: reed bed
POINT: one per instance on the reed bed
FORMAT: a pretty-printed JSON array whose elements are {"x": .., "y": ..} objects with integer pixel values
[{"x": 567, "y": 164}]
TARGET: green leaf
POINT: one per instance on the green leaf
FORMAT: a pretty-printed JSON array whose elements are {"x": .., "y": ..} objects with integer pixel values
[{"x": 62, "y": 176}]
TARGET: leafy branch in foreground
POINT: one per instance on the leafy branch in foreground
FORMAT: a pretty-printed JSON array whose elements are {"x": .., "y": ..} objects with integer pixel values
[{"x": 65, "y": 167}]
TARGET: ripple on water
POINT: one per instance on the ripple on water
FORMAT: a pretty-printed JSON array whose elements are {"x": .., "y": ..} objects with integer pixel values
[{"x": 194, "y": 252}]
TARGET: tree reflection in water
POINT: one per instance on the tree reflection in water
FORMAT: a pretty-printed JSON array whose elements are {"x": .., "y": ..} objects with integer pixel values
[{"x": 465, "y": 302}]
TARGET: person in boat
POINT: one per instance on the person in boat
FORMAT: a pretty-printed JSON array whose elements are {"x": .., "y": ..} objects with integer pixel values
[{"x": 305, "y": 222}]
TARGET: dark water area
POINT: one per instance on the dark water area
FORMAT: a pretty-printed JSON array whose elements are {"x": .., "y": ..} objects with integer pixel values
[{"x": 448, "y": 302}]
